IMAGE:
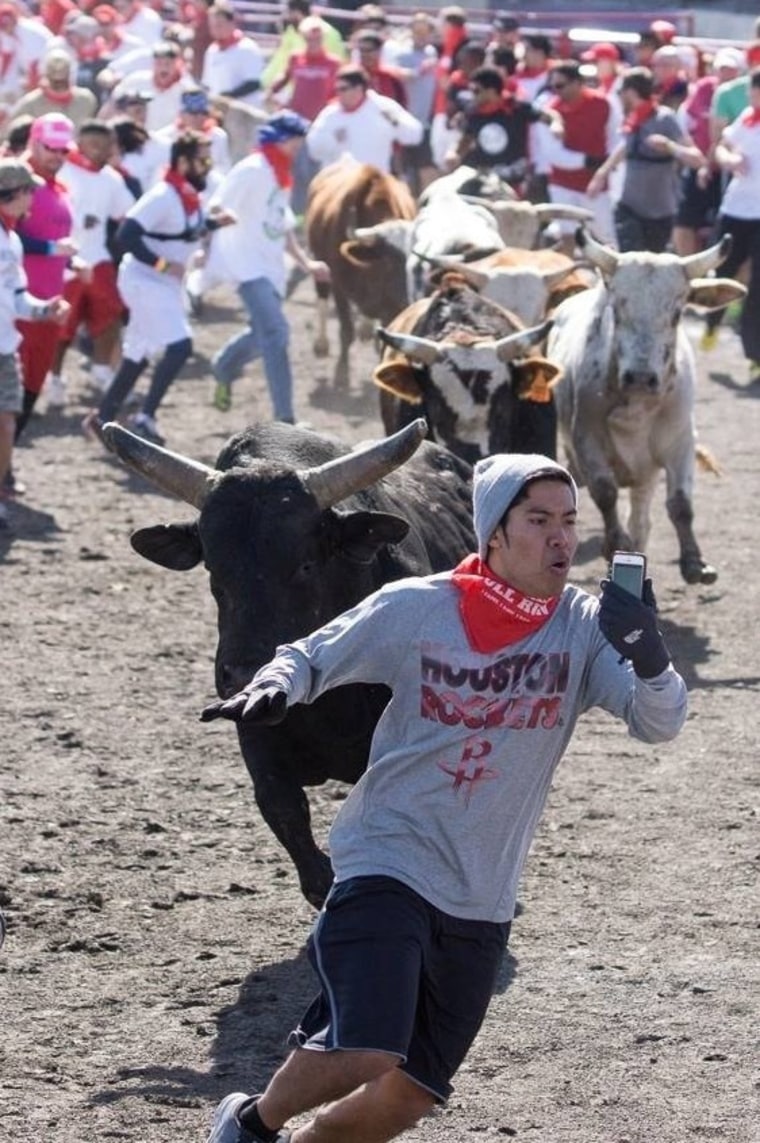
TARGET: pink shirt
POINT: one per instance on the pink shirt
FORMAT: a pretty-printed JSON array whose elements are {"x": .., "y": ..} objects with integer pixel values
[{"x": 50, "y": 218}]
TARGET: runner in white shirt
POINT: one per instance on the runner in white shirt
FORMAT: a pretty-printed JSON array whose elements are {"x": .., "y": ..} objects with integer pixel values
[
  {"x": 164, "y": 83},
  {"x": 140, "y": 20},
  {"x": 360, "y": 123},
  {"x": 159, "y": 234},
  {"x": 194, "y": 115},
  {"x": 233, "y": 63},
  {"x": 257, "y": 189},
  {"x": 98, "y": 196}
]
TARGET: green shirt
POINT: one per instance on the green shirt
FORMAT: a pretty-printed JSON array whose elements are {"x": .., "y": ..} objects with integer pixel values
[
  {"x": 731, "y": 99},
  {"x": 291, "y": 42}
]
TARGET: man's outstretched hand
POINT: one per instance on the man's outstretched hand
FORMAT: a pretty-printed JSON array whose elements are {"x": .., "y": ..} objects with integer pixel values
[{"x": 263, "y": 704}]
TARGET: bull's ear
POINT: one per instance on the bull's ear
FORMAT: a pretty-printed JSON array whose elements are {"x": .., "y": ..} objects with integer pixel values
[
  {"x": 710, "y": 294},
  {"x": 173, "y": 546},
  {"x": 534, "y": 378},
  {"x": 362, "y": 534},
  {"x": 400, "y": 378}
]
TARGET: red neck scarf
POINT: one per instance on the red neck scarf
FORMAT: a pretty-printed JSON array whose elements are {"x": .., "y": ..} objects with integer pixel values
[
  {"x": 165, "y": 84},
  {"x": 494, "y": 614},
  {"x": 489, "y": 107},
  {"x": 230, "y": 41},
  {"x": 750, "y": 117},
  {"x": 62, "y": 98},
  {"x": 191, "y": 200},
  {"x": 7, "y": 223},
  {"x": 281, "y": 164},
  {"x": 77, "y": 159},
  {"x": 636, "y": 118}
]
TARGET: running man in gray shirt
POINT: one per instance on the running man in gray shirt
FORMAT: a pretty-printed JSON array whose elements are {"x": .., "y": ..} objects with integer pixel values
[{"x": 489, "y": 667}]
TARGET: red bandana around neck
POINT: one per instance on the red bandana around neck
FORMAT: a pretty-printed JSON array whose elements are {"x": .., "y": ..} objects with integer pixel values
[
  {"x": 636, "y": 118},
  {"x": 494, "y": 614},
  {"x": 281, "y": 164},
  {"x": 62, "y": 98},
  {"x": 191, "y": 200},
  {"x": 750, "y": 117},
  {"x": 77, "y": 159}
]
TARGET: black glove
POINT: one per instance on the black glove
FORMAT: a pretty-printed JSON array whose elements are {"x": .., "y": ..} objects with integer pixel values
[
  {"x": 630, "y": 625},
  {"x": 262, "y": 703},
  {"x": 592, "y": 162}
]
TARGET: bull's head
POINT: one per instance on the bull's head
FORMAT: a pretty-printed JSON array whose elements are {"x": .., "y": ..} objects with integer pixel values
[
  {"x": 525, "y": 291},
  {"x": 282, "y": 557},
  {"x": 474, "y": 383},
  {"x": 645, "y": 296},
  {"x": 520, "y": 223}
]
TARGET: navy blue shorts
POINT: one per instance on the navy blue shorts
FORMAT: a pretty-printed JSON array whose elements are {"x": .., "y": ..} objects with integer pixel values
[{"x": 400, "y": 976}]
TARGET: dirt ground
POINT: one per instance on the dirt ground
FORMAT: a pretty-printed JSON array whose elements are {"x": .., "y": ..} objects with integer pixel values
[{"x": 154, "y": 958}]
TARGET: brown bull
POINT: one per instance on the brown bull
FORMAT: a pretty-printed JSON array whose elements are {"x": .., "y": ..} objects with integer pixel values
[{"x": 342, "y": 197}]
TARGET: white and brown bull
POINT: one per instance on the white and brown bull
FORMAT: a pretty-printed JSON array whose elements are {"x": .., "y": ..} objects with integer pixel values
[
  {"x": 626, "y": 401},
  {"x": 343, "y": 197},
  {"x": 467, "y": 364},
  {"x": 529, "y": 283}
]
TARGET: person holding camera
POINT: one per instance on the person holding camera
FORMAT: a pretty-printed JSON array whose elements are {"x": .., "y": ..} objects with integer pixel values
[{"x": 490, "y": 666}]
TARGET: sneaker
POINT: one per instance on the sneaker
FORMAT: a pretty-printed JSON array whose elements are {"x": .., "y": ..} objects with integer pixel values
[
  {"x": 143, "y": 425},
  {"x": 55, "y": 391},
  {"x": 708, "y": 340},
  {"x": 227, "y": 1128},
  {"x": 12, "y": 486},
  {"x": 222, "y": 399},
  {"x": 92, "y": 426}
]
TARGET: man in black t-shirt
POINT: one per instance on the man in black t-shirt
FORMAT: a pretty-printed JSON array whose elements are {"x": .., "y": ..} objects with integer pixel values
[{"x": 495, "y": 128}]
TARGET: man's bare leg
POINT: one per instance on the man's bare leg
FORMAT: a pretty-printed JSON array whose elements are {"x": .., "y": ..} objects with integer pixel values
[{"x": 374, "y": 1113}]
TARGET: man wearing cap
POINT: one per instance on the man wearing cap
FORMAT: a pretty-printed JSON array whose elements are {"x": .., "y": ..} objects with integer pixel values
[
  {"x": 56, "y": 92},
  {"x": 17, "y": 182},
  {"x": 490, "y": 666},
  {"x": 195, "y": 115},
  {"x": 607, "y": 60},
  {"x": 24, "y": 43},
  {"x": 45, "y": 233},
  {"x": 502, "y": 48},
  {"x": 257, "y": 191},
  {"x": 309, "y": 81}
]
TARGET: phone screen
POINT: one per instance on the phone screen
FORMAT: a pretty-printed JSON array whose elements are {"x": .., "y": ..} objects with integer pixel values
[{"x": 630, "y": 577}]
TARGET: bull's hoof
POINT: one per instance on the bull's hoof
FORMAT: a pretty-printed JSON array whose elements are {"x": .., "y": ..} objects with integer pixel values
[
  {"x": 316, "y": 884},
  {"x": 697, "y": 571},
  {"x": 321, "y": 347}
]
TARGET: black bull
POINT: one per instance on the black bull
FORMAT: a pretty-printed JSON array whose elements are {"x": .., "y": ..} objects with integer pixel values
[{"x": 294, "y": 529}]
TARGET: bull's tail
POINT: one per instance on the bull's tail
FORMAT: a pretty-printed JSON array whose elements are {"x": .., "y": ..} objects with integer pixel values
[{"x": 707, "y": 461}]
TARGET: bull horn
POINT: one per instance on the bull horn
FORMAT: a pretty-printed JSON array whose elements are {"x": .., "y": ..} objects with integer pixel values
[
  {"x": 340, "y": 478},
  {"x": 553, "y": 211},
  {"x": 187, "y": 479},
  {"x": 699, "y": 265},
  {"x": 417, "y": 348},
  {"x": 477, "y": 279},
  {"x": 552, "y": 278},
  {"x": 507, "y": 348},
  {"x": 366, "y": 235},
  {"x": 602, "y": 257}
]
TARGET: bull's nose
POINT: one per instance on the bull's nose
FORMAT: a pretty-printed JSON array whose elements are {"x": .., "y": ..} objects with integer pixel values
[{"x": 641, "y": 379}]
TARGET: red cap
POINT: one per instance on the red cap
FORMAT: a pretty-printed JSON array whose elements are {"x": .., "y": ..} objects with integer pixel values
[
  {"x": 664, "y": 30},
  {"x": 603, "y": 51}
]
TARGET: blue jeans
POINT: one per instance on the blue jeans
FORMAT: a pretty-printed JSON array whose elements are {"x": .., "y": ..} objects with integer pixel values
[{"x": 267, "y": 337}]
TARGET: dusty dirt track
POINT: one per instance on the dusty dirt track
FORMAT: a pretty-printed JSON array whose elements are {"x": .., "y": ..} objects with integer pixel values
[{"x": 154, "y": 959}]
